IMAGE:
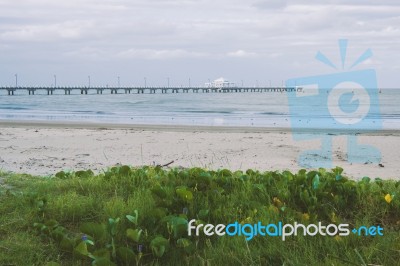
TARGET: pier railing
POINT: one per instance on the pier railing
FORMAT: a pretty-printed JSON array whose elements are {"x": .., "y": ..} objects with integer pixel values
[{"x": 150, "y": 90}]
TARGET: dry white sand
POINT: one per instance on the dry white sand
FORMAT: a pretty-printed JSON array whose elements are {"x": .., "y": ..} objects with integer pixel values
[{"x": 43, "y": 149}]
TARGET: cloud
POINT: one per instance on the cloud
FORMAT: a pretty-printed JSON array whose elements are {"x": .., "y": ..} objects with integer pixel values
[
  {"x": 213, "y": 32},
  {"x": 241, "y": 54},
  {"x": 47, "y": 32},
  {"x": 270, "y": 4},
  {"x": 158, "y": 54}
]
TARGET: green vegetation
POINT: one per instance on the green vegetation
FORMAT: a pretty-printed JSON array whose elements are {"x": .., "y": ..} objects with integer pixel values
[{"x": 139, "y": 216}]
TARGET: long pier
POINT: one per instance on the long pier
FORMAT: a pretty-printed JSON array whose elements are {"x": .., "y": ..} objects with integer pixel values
[{"x": 150, "y": 90}]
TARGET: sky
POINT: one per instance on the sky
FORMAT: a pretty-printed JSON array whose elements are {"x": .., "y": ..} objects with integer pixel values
[{"x": 262, "y": 42}]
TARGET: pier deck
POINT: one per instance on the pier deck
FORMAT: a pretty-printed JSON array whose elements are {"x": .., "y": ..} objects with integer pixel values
[{"x": 149, "y": 90}]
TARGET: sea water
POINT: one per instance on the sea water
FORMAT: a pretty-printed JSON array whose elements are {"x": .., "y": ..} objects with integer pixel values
[{"x": 243, "y": 109}]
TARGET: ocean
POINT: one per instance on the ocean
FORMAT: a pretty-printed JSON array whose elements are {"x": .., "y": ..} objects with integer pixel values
[{"x": 245, "y": 109}]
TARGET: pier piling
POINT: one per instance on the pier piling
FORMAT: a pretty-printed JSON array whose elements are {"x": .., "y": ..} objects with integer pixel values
[{"x": 151, "y": 90}]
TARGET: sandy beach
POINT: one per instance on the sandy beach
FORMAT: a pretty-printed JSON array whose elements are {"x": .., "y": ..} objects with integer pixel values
[{"x": 45, "y": 149}]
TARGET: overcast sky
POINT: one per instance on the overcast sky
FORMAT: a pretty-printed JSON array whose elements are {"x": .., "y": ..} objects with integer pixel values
[{"x": 252, "y": 40}]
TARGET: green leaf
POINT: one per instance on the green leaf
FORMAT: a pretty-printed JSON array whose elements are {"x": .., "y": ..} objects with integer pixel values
[
  {"x": 366, "y": 179},
  {"x": 183, "y": 174},
  {"x": 103, "y": 262},
  {"x": 250, "y": 172},
  {"x": 61, "y": 175},
  {"x": 57, "y": 234},
  {"x": 337, "y": 170},
  {"x": 322, "y": 171},
  {"x": 288, "y": 175},
  {"x": 159, "y": 191},
  {"x": 90, "y": 242},
  {"x": 203, "y": 180},
  {"x": 304, "y": 195},
  {"x": 124, "y": 170},
  {"x": 126, "y": 255},
  {"x": 244, "y": 177},
  {"x": 379, "y": 182},
  {"x": 183, "y": 242},
  {"x": 178, "y": 225},
  {"x": 184, "y": 193},
  {"x": 89, "y": 173},
  {"x": 158, "y": 246},
  {"x": 134, "y": 234},
  {"x": 238, "y": 174},
  {"x": 203, "y": 214},
  {"x": 41, "y": 227},
  {"x": 315, "y": 182},
  {"x": 133, "y": 218},
  {"x": 102, "y": 253},
  {"x": 84, "y": 174},
  {"x": 112, "y": 226},
  {"x": 82, "y": 249},
  {"x": 95, "y": 230},
  {"x": 225, "y": 173}
]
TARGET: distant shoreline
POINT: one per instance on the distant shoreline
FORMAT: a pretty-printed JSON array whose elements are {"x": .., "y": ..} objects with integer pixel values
[{"x": 185, "y": 128}]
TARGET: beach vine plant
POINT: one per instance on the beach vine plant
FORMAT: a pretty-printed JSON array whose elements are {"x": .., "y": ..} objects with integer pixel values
[{"x": 139, "y": 216}]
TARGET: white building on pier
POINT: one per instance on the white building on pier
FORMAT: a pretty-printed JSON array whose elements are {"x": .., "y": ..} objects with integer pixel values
[{"x": 220, "y": 83}]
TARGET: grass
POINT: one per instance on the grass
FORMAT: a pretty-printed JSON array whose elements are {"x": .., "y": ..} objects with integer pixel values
[{"x": 139, "y": 216}]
